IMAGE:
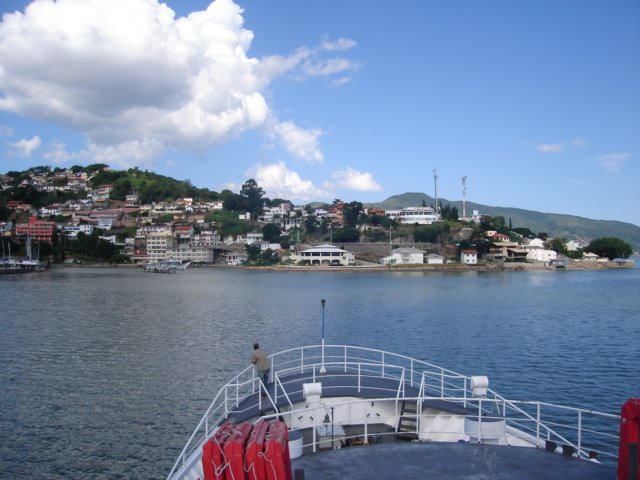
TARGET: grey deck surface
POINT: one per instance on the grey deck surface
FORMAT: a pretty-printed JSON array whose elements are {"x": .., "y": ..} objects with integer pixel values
[
  {"x": 440, "y": 461},
  {"x": 336, "y": 385}
]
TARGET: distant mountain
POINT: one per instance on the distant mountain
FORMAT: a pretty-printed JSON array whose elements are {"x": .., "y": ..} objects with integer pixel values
[{"x": 554, "y": 224}]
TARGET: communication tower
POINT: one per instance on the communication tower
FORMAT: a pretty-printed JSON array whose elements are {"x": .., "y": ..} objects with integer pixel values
[
  {"x": 464, "y": 197},
  {"x": 435, "y": 187}
]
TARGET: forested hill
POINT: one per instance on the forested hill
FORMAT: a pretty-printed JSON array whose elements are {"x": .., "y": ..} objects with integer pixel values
[{"x": 554, "y": 224}]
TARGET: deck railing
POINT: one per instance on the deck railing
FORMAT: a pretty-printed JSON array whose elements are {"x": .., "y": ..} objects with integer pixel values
[{"x": 539, "y": 421}]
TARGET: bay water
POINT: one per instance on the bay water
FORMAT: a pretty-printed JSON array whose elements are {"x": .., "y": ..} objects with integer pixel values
[{"x": 104, "y": 372}]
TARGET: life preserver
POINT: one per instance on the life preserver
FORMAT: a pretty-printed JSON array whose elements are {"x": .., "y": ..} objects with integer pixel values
[
  {"x": 629, "y": 450},
  {"x": 234, "y": 451},
  {"x": 276, "y": 453},
  {"x": 254, "y": 455},
  {"x": 213, "y": 459}
]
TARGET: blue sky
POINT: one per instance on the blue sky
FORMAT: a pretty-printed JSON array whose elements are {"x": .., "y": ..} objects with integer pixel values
[{"x": 537, "y": 103}]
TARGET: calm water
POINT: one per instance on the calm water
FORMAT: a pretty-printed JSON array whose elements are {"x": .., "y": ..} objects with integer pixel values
[{"x": 105, "y": 372}]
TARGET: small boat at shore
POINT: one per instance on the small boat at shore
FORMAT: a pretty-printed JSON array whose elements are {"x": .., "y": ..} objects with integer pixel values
[
  {"x": 344, "y": 411},
  {"x": 21, "y": 265},
  {"x": 166, "y": 266}
]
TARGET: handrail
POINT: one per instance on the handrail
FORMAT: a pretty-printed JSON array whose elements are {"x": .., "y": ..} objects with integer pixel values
[{"x": 304, "y": 358}]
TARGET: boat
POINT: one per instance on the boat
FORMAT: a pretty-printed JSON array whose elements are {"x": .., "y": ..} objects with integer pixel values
[
  {"x": 166, "y": 266},
  {"x": 357, "y": 412}
]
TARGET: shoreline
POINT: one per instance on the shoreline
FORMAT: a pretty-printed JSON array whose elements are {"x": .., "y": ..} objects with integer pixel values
[{"x": 491, "y": 267}]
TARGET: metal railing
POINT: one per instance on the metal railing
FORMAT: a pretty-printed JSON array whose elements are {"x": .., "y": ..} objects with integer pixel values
[{"x": 537, "y": 420}]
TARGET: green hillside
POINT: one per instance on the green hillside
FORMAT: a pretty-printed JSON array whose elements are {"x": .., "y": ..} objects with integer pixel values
[{"x": 554, "y": 224}]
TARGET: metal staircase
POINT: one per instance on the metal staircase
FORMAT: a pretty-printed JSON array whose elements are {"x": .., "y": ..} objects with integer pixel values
[{"x": 407, "y": 428}]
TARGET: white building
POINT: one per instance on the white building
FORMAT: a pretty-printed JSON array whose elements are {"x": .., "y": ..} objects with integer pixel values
[
  {"x": 412, "y": 215},
  {"x": 253, "y": 238},
  {"x": 469, "y": 257},
  {"x": 187, "y": 253},
  {"x": 72, "y": 231},
  {"x": 264, "y": 246},
  {"x": 325, "y": 255},
  {"x": 534, "y": 243},
  {"x": 236, "y": 258},
  {"x": 435, "y": 259},
  {"x": 207, "y": 239},
  {"x": 157, "y": 245},
  {"x": 404, "y": 256},
  {"x": 541, "y": 255}
]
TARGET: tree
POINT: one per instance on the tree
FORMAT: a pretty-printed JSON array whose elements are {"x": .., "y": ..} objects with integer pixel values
[
  {"x": 610, "y": 247},
  {"x": 558, "y": 245},
  {"x": 252, "y": 195},
  {"x": 345, "y": 235},
  {"x": 351, "y": 211},
  {"x": 251, "y": 190},
  {"x": 270, "y": 232}
]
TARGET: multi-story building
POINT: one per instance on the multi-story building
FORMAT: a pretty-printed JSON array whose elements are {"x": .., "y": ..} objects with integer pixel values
[
  {"x": 189, "y": 253},
  {"x": 37, "y": 230},
  {"x": 157, "y": 245}
]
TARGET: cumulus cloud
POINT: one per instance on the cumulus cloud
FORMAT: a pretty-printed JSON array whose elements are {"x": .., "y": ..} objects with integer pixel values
[
  {"x": 25, "y": 148},
  {"x": 355, "y": 180},
  {"x": 301, "y": 143},
  {"x": 134, "y": 79},
  {"x": 57, "y": 153},
  {"x": 278, "y": 181},
  {"x": 612, "y": 162},
  {"x": 550, "y": 148}
]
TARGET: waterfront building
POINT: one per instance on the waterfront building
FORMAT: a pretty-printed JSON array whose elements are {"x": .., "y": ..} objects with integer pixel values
[
  {"x": 236, "y": 258},
  {"x": 157, "y": 245},
  {"x": 188, "y": 253},
  {"x": 541, "y": 255},
  {"x": 37, "y": 230},
  {"x": 404, "y": 256},
  {"x": 435, "y": 259},
  {"x": 469, "y": 257},
  {"x": 324, "y": 255}
]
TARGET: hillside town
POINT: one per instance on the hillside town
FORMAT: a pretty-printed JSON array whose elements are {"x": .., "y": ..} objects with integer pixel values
[{"x": 185, "y": 230}]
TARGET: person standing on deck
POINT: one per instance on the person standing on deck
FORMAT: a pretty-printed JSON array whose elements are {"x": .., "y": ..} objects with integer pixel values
[{"x": 261, "y": 361}]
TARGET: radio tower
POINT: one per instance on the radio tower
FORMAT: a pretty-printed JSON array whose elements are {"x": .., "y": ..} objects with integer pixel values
[
  {"x": 464, "y": 197},
  {"x": 435, "y": 187}
]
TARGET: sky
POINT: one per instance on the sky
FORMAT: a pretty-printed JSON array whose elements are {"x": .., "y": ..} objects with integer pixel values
[{"x": 536, "y": 103}]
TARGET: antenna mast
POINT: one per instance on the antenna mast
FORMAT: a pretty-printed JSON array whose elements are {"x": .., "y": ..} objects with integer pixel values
[
  {"x": 435, "y": 187},
  {"x": 464, "y": 197}
]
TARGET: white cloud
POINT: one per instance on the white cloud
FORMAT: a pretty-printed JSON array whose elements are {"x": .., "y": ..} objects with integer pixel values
[
  {"x": 612, "y": 162},
  {"x": 340, "y": 44},
  {"x": 134, "y": 79},
  {"x": 303, "y": 144},
  {"x": 278, "y": 181},
  {"x": 355, "y": 180},
  {"x": 550, "y": 148},
  {"x": 25, "y": 148},
  {"x": 57, "y": 153},
  {"x": 325, "y": 68},
  {"x": 579, "y": 142}
]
